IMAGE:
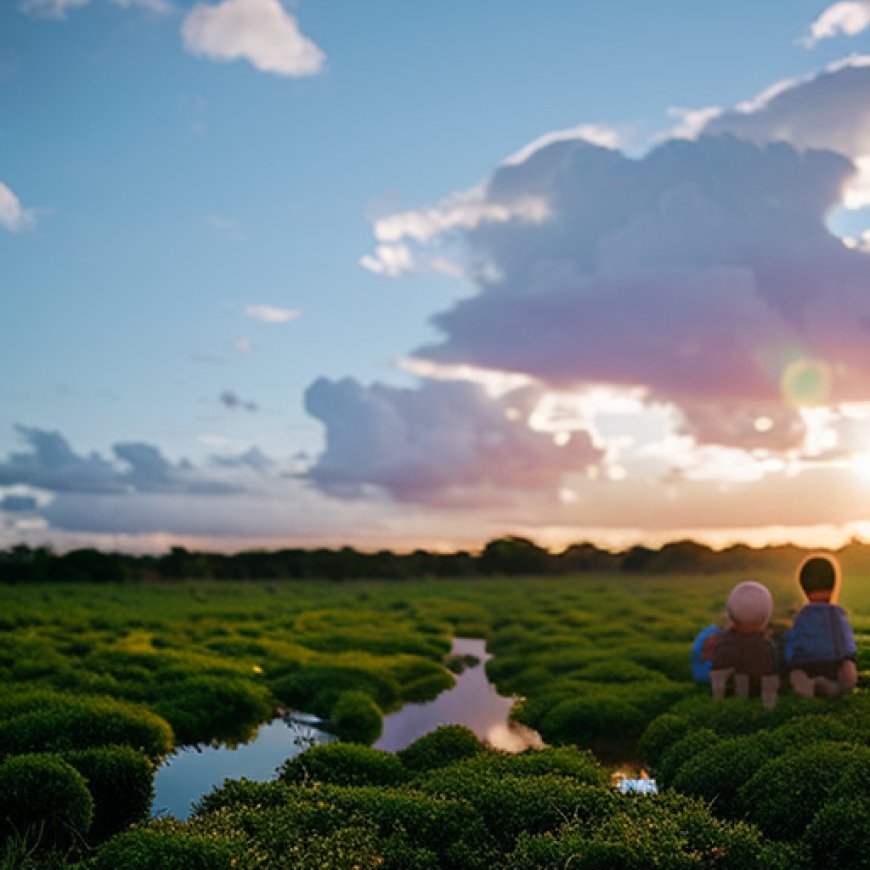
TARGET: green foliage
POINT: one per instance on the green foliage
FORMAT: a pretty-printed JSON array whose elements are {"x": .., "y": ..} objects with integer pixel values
[
  {"x": 44, "y": 796},
  {"x": 838, "y": 835},
  {"x": 317, "y": 688},
  {"x": 718, "y": 772},
  {"x": 659, "y": 735},
  {"x": 680, "y": 752},
  {"x": 163, "y": 849},
  {"x": 199, "y": 706},
  {"x": 67, "y": 722},
  {"x": 440, "y": 747},
  {"x": 787, "y": 792},
  {"x": 344, "y": 764},
  {"x": 120, "y": 780},
  {"x": 356, "y": 718}
]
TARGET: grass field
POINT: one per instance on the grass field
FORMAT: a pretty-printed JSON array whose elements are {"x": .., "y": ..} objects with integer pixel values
[{"x": 100, "y": 681}]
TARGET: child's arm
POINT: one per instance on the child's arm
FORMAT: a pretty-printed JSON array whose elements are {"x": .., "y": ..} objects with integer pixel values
[{"x": 849, "y": 648}]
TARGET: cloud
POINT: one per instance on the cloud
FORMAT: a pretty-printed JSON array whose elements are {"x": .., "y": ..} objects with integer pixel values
[
  {"x": 702, "y": 273},
  {"x": 234, "y": 402},
  {"x": 272, "y": 314},
  {"x": 56, "y": 9},
  {"x": 697, "y": 272},
  {"x": 262, "y": 32},
  {"x": 597, "y": 134},
  {"x": 18, "y": 504},
  {"x": 50, "y": 464},
  {"x": 828, "y": 110},
  {"x": 847, "y": 19},
  {"x": 444, "y": 443},
  {"x": 13, "y": 216}
]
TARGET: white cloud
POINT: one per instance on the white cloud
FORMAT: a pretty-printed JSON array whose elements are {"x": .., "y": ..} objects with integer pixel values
[
  {"x": 846, "y": 18},
  {"x": 262, "y": 32},
  {"x": 597, "y": 134},
  {"x": 271, "y": 313},
  {"x": 56, "y": 9},
  {"x": 158, "y": 7},
  {"x": 13, "y": 215},
  {"x": 389, "y": 260}
]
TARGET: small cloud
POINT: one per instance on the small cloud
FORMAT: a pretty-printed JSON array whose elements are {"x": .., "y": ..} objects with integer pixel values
[
  {"x": 242, "y": 345},
  {"x": 271, "y": 313},
  {"x": 13, "y": 215},
  {"x": 55, "y": 9},
  {"x": 158, "y": 7},
  {"x": 221, "y": 222},
  {"x": 841, "y": 19},
  {"x": 262, "y": 32},
  {"x": 234, "y": 402}
]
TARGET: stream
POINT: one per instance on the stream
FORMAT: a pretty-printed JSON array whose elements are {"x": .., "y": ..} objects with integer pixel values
[{"x": 191, "y": 772}]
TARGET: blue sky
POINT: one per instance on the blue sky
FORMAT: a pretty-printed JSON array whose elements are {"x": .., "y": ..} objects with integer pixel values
[{"x": 167, "y": 191}]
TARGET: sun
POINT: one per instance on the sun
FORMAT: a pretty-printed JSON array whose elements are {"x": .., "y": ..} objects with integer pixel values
[{"x": 860, "y": 464}]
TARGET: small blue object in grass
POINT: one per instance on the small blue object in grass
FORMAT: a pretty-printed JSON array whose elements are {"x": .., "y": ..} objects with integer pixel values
[
  {"x": 644, "y": 785},
  {"x": 700, "y": 663}
]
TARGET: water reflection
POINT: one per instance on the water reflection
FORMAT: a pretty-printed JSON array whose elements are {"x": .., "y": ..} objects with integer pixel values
[
  {"x": 191, "y": 772},
  {"x": 472, "y": 702}
]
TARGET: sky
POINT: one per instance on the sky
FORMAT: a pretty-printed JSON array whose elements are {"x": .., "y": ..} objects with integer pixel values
[{"x": 396, "y": 274}]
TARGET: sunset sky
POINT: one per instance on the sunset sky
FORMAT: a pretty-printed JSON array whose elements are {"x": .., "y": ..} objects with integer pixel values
[{"x": 420, "y": 274}]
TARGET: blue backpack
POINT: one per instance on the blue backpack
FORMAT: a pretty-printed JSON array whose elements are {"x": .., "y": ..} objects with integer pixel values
[{"x": 701, "y": 666}]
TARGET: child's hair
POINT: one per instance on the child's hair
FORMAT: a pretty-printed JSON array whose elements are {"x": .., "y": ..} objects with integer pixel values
[{"x": 819, "y": 573}]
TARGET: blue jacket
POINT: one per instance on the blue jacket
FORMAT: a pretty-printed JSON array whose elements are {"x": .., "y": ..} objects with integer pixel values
[{"x": 820, "y": 633}]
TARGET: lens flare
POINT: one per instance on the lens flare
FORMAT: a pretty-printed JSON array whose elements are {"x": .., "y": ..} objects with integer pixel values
[{"x": 806, "y": 382}]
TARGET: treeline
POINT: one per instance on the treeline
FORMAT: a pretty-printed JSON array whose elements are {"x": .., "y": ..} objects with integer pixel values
[{"x": 509, "y": 555}]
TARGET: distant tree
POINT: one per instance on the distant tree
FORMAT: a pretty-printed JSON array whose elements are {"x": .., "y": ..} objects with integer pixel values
[{"x": 514, "y": 555}]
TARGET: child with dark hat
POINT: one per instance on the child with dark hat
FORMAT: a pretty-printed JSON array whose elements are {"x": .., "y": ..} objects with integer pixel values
[{"x": 820, "y": 646}]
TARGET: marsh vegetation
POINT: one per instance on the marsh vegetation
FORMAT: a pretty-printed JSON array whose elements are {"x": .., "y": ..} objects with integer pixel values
[{"x": 101, "y": 681}]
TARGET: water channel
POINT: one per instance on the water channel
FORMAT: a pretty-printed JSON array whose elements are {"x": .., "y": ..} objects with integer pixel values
[{"x": 473, "y": 701}]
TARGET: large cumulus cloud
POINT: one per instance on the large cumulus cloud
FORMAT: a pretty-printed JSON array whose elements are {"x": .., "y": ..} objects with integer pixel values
[{"x": 702, "y": 274}]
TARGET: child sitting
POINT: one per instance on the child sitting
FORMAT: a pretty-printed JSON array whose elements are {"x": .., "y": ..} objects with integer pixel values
[
  {"x": 742, "y": 650},
  {"x": 820, "y": 647}
]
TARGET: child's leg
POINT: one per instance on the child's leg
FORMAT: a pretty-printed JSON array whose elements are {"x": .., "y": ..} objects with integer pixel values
[
  {"x": 741, "y": 685},
  {"x": 769, "y": 688},
  {"x": 847, "y": 677},
  {"x": 802, "y": 684},
  {"x": 826, "y": 687},
  {"x": 718, "y": 682}
]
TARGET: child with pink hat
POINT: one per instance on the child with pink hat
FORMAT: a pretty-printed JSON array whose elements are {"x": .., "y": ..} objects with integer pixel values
[{"x": 742, "y": 650}]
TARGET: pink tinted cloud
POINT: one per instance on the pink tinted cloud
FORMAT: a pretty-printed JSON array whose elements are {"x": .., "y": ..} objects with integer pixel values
[{"x": 444, "y": 442}]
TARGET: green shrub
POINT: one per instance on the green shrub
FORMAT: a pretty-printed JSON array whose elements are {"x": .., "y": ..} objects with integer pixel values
[
  {"x": 510, "y": 805},
  {"x": 718, "y": 772},
  {"x": 441, "y": 747},
  {"x": 660, "y": 734},
  {"x": 121, "y": 782},
  {"x": 316, "y": 689},
  {"x": 810, "y": 729},
  {"x": 680, "y": 752},
  {"x": 344, "y": 764},
  {"x": 204, "y": 707},
  {"x": 43, "y": 793},
  {"x": 163, "y": 848},
  {"x": 838, "y": 836},
  {"x": 356, "y": 718},
  {"x": 598, "y": 721},
  {"x": 82, "y": 723},
  {"x": 787, "y": 792}
]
